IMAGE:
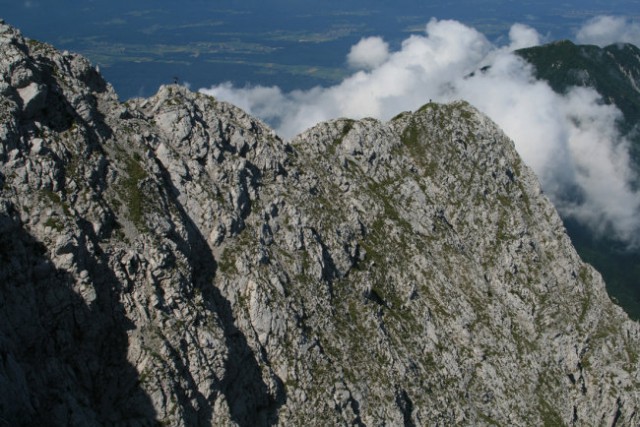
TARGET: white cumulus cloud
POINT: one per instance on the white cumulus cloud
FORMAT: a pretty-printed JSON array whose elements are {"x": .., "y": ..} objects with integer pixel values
[
  {"x": 369, "y": 53},
  {"x": 571, "y": 141},
  {"x": 606, "y": 30},
  {"x": 523, "y": 36}
]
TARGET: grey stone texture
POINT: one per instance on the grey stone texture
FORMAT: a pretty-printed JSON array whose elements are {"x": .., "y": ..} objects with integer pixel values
[{"x": 171, "y": 260}]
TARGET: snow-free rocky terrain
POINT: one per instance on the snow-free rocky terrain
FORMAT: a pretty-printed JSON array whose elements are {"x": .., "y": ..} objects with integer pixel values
[{"x": 171, "y": 261}]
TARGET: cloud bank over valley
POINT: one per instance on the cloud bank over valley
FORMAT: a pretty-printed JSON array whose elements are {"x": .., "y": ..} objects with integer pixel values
[
  {"x": 606, "y": 30},
  {"x": 571, "y": 141}
]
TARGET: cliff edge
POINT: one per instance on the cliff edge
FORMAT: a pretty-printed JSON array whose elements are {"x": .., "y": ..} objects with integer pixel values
[{"x": 172, "y": 261}]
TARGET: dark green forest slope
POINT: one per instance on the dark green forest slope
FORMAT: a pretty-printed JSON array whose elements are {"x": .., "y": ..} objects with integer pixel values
[{"x": 613, "y": 71}]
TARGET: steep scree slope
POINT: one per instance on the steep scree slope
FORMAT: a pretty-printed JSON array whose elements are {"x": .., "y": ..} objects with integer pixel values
[{"x": 170, "y": 260}]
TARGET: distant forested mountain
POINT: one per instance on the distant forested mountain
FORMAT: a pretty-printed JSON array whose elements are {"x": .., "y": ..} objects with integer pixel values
[{"x": 614, "y": 72}]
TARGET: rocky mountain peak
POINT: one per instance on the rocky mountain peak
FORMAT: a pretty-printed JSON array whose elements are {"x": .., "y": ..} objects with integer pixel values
[{"x": 173, "y": 260}]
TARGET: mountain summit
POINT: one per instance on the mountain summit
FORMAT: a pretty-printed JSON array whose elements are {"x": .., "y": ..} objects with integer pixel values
[{"x": 172, "y": 261}]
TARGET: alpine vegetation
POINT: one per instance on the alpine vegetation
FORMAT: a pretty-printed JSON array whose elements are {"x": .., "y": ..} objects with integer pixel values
[
  {"x": 571, "y": 140},
  {"x": 173, "y": 261}
]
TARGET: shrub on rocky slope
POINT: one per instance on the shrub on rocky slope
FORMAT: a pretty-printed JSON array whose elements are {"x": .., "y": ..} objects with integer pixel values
[{"x": 171, "y": 260}]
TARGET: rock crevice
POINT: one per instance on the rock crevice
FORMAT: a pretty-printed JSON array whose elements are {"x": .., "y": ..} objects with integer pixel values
[{"x": 172, "y": 260}]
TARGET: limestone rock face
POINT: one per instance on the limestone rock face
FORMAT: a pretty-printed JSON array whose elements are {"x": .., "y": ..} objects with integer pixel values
[{"x": 171, "y": 260}]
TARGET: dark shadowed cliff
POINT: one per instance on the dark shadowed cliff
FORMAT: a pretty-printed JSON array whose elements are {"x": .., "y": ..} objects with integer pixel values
[{"x": 172, "y": 261}]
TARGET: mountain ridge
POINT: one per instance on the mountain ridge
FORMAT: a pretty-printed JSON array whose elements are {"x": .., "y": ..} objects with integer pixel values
[
  {"x": 563, "y": 64},
  {"x": 171, "y": 260}
]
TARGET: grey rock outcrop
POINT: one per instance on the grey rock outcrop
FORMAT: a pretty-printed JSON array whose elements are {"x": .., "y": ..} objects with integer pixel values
[{"x": 171, "y": 260}]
